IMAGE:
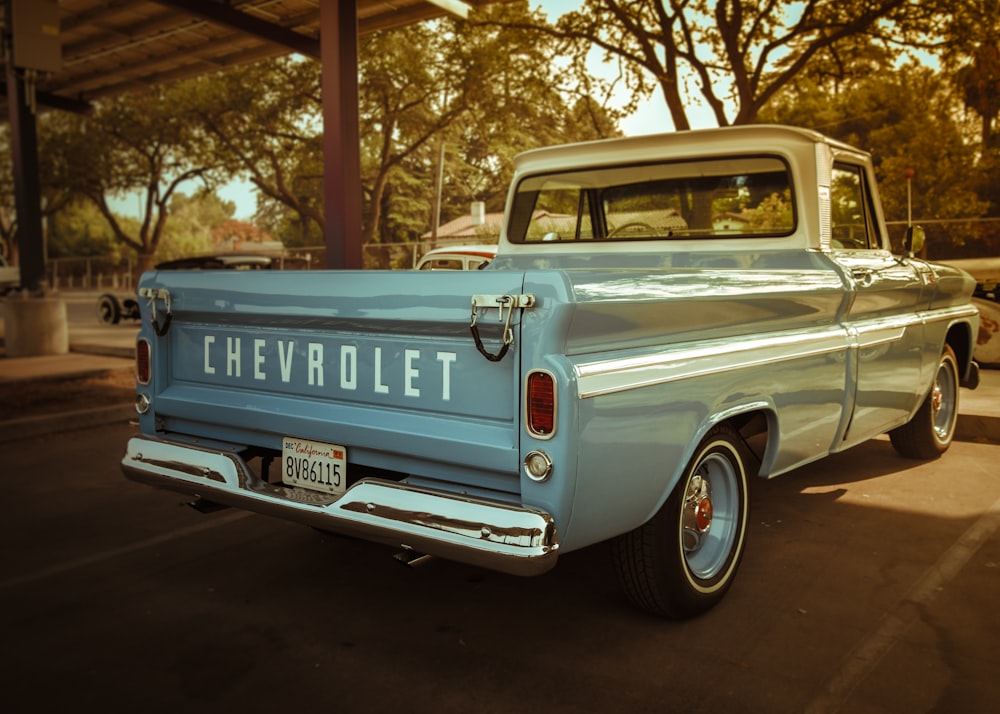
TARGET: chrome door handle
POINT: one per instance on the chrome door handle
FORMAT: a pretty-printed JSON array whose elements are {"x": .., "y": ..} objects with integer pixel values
[{"x": 863, "y": 276}]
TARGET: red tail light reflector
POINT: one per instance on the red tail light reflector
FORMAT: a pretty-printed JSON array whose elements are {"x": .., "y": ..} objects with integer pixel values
[
  {"x": 143, "y": 366},
  {"x": 540, "y": 404}
]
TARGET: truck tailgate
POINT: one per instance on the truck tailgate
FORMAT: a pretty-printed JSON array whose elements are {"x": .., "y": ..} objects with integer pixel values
[{"x": 381, "y": 363}]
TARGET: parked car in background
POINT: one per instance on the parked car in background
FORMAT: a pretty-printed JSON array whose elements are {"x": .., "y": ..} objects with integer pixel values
[
  {"x": 458, "y": 257},
  {"x": 986, "y": 298}
]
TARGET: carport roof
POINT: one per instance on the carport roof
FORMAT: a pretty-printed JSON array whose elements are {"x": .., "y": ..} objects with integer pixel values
[{"x": 113, "y": 46}]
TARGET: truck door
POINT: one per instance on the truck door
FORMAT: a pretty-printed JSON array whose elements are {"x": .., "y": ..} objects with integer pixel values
[{"x": 881, "y": 316}]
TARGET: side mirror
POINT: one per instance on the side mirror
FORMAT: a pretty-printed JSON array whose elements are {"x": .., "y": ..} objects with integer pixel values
[{"x": 913, "y": 241}]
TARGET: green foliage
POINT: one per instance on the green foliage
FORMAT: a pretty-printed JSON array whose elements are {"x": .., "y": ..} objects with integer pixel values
[
  {"x": 486, "y": 90},
  {"x": 263, "y": 122},
  {"x": 507, "y": 80},
  {"x": 146, "y": 143},
  {"x": 972, "y": 56},
  {"x": 79, "y": 230},
  {"x": 906, "y": 119},
  {"x": 193, "y": 220}
]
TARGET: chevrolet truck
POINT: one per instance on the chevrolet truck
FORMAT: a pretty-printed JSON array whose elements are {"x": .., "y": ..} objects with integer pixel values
[{"x": 666, "y": 318}]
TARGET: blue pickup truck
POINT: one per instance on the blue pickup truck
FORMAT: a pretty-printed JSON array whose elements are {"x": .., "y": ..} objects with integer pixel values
[{"x": 666, "y": 317}]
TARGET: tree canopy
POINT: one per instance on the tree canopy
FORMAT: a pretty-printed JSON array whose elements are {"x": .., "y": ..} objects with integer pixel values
[
  {"x": 458, "y": 99},
  {"x": 734, "y": 56}
]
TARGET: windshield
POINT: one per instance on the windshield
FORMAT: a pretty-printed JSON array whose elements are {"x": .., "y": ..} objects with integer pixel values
[{"x": 739, "y": 197}]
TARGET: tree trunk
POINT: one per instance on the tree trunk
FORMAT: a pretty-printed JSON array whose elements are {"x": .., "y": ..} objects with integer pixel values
[{"x": 144, "y": 262}]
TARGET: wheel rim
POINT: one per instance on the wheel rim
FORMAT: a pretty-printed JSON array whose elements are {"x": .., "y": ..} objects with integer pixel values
[
  {"x": 709, "y": 515},
  {"x": 944, "y": 398}
]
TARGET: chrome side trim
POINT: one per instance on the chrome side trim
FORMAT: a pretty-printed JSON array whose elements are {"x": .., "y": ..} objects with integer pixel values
[
  {"x": 670, "y": 365},
  {"x": 955, "y": 312},
  {"x": 662, "y": 366},
  {"x": 884, "y": 330},
  {"x": 509, "y": 538}
]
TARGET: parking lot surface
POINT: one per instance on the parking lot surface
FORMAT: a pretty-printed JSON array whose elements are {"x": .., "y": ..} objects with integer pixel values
[{"x": 870, "y": 584}]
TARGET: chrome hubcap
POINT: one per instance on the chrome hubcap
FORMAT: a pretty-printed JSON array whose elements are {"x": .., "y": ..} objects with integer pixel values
[
  {"x": 710, "y": 512},
  {"x": 943, "y": 400},
  {"x": 698, "y": 512}
]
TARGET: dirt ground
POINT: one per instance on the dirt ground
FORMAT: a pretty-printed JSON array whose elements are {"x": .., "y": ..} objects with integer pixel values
[{"x": 38, "y": 397}]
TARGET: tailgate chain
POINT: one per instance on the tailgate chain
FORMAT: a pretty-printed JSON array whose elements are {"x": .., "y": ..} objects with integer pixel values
[
  {"x": 152, "y": 295},
  {"x": 508, "y": 302}
]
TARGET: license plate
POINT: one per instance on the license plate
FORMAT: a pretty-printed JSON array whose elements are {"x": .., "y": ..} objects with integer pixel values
[{"x": 314, "y": 465}]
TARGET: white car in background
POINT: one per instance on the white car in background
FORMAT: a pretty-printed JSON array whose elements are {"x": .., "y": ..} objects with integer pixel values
[{"x": 458, "y": 257}]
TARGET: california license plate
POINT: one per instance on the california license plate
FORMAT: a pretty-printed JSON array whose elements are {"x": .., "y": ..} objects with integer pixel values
[{"x": 314, "y": 465}]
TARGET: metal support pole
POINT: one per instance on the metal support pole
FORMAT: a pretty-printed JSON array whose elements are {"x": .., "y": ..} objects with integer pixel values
[
  {"x": 341, "y": 134},
  {"x": 27, "y": 188}
]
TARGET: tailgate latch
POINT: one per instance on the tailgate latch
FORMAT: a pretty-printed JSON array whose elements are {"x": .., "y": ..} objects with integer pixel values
[
  {"x": 153, "y": 295},
  {"x": 504, "y": 303}
]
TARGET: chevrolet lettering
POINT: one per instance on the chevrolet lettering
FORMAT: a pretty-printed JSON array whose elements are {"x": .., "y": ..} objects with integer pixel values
[
  {"x": 323, "y": 364},
  {"x": 666, "y": 318}
]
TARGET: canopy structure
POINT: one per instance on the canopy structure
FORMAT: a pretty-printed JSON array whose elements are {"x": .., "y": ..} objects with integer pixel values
[{"x": 64, "y": 54}]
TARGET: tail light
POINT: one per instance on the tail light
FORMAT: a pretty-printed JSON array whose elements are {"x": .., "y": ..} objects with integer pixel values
[
  {"x": 143, "y": 365},
  {"x": 540, "y": 404}
]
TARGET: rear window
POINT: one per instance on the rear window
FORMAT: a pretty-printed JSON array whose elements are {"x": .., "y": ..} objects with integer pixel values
[{"x": 739, "y": 197}]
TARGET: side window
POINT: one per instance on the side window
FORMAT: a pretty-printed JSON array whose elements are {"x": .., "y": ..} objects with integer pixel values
[{"x": 853, "y": 223}]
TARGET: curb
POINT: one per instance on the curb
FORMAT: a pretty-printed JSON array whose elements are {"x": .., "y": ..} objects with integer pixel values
[
  {"x": 86, "y": 348},
  {"x": 978, "y": 428},
  {"x": 17, "y": 429}
]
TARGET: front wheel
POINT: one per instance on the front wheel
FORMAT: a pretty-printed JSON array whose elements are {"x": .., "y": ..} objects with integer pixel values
[
  {"x": 929, "y": 433},
  {"x": 683, "y": 560}
]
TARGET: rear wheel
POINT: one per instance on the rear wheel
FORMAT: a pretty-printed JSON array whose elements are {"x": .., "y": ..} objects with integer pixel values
[
  {"x": 929, "y": 433},
  {"x": 682, "y": 561},
  {"x": 109, "y": 312}
]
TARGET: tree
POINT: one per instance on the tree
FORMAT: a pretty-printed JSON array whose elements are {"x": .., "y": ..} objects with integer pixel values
[
  {"x": 192, "y": 225},
  {"x": 79, "y": 230},
  {"x": 265, "y": 125},
  {"x": 500, "y": 76},
  {"x": 906, "y": 119},
  {"x": 516, "y": 101},
  {"x": 733, "y": 55},
  {"x": 144, "y": 143},
  {"x": 413, "y": 88},
  {"x": 483, "y": 90},
  {"x": 971, "y": 53},
  {"x": 54, "y": 195}
]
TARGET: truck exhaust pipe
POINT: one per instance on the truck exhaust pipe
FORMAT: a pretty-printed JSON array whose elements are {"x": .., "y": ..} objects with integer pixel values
[
  {"x": 202, "y": 506},
  {"x": 412, "y": 558}
]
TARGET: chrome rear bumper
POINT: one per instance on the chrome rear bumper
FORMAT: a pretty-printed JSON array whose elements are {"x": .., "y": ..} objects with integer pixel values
[{"x": 491, "y": 534}]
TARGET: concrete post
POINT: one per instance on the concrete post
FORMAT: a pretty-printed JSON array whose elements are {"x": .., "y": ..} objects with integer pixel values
[{"x": 35, "y": 326}]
